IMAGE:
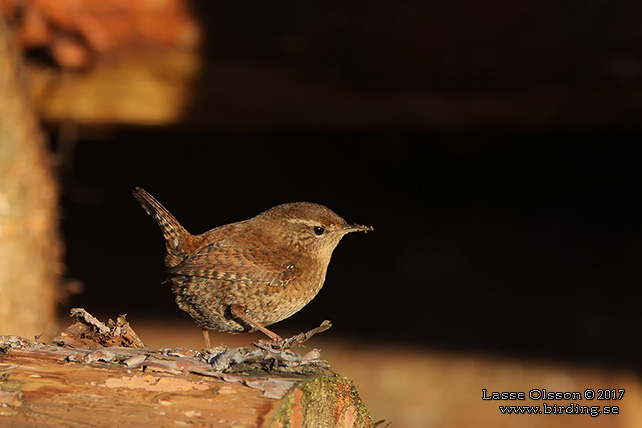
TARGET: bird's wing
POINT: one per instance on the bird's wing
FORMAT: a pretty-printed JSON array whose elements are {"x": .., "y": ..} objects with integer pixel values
[{"x": 252, "y": 266}]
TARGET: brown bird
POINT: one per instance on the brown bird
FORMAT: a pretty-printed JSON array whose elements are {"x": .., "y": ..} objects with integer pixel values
[{"x": 244, "y": 276}]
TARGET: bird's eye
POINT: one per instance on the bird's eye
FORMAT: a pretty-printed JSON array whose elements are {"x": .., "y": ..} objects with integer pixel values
[{"x": 319, "y": 230}]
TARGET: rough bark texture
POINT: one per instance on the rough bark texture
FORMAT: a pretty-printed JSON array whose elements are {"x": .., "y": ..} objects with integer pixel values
[
  {"x": 30, "y": 248},
  {"x": 43, "y": 385}
]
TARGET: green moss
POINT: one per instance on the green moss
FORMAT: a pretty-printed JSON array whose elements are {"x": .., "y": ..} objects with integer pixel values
[
  {"x": 282, "y": 418},
  {"x": 325, "y": 402}
]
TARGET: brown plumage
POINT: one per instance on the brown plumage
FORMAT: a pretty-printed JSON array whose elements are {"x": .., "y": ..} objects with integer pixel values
[{"x": 247, "y": 275}]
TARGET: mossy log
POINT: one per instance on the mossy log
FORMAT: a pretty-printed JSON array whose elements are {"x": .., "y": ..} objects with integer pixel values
[{"x": 44, "y": 385}]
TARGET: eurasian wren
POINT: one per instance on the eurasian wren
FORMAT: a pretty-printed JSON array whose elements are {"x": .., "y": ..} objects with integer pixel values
[{"x": 244, "y": 276}]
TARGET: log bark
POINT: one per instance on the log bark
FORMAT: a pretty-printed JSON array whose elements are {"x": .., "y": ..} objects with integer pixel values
[
  {"x": 30, "y": 249},
  {"x": 43, "y": 385}
]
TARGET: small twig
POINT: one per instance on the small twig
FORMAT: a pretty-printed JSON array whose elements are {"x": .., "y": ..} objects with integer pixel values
[
  {"x": 300, "y": 338},
  {"x": 296, "y": 340}
]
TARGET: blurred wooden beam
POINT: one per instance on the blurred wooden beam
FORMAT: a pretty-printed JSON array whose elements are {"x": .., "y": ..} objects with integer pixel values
[
  {"x": 104, "y": 62},
  {"x": 134, "y": 88},
  {"x": 294, "y": 67}
]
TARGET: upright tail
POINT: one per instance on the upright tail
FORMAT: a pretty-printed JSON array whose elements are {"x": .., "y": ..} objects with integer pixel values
[{"x": 176, "y": 236}]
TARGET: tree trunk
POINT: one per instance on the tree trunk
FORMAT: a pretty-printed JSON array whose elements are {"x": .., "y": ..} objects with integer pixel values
[{"x": 30, "y": 247}]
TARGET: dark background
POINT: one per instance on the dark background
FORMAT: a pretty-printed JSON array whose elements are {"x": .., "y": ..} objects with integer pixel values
[{"x": 506, "y": 208}]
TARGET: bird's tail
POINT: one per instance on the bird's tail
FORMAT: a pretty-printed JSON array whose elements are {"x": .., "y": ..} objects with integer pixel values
[{"x": 176, "y": 236}]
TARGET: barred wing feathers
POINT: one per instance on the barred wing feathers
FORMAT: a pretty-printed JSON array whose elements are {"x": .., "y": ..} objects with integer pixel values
[{"x": 251, "y": 266}]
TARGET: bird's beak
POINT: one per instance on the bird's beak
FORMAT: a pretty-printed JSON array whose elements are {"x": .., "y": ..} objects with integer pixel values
[{"x": 357, "y": 228}]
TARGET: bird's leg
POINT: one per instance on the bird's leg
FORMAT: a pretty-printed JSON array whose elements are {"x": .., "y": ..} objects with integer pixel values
[
  {"x": 238, "y": 311},
  {"x": 206, "y": 336}
]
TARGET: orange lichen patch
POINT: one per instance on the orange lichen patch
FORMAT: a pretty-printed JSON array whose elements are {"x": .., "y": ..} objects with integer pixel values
[
  {"x": 154, "y": 383},
  {"x": 344, "y": 391}
]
